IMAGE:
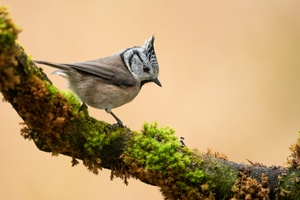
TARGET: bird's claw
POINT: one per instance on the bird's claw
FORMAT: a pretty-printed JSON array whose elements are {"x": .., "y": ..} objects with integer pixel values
[
  {"x": 83, "y": 107},
  {"x": 118, "y": 124}
]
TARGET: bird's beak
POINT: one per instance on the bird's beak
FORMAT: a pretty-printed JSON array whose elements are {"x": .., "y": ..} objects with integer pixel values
[{"x": 157, "y": 82}]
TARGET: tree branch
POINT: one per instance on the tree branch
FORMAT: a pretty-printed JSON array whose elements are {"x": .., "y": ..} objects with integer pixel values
[{"x": 55, "y": 123}]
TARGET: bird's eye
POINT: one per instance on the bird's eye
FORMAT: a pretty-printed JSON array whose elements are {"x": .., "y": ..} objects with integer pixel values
[{"x": 146, "y": 69}]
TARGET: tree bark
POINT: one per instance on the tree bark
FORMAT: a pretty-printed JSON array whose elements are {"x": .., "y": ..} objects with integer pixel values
[{"x": 55, "y": 122}]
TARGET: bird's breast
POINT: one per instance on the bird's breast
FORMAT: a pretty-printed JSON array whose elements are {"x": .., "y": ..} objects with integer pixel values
[{"x": 107, "y": 95}]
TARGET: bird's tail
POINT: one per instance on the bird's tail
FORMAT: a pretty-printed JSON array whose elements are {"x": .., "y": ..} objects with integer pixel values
[{"x": 55, "y": 65}]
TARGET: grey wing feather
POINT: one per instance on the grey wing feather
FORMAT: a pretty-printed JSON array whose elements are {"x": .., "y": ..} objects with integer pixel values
[
  {"x": 94, "y": 68},
  {"x": 109, "y": 68}
]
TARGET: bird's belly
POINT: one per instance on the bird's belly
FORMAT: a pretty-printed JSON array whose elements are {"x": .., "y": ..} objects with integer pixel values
[{"x": 109, "y": 96}]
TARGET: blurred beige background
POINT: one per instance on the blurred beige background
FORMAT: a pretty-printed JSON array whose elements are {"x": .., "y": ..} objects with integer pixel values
[{"x": 230, "y": 73}]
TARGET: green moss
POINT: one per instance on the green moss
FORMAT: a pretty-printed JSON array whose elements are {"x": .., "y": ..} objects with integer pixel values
[
  {"x": 195, "y": 176},
  {"x": 289, "y": 185},
  {"x": 94, "y": 141},
  {"x": 72, "y": 99},
  {"x": 157, "y": 148},
  {"x": 8, "y": 30},
  {"x": 158, "y": 151},
  {"x": 93, "y": 134}
]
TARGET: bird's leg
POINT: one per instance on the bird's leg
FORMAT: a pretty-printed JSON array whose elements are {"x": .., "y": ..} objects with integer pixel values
[{"x": 119, "y": 122}]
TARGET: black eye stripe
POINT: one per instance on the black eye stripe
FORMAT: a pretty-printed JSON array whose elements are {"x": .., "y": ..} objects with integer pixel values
[
  {"x": 135, "y": 53},
  {"x": 139, "y": 56},
  {"x": 130, "y": 60}
]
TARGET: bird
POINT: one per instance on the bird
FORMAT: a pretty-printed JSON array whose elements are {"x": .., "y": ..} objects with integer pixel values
[{"x": 110, "y": 82}]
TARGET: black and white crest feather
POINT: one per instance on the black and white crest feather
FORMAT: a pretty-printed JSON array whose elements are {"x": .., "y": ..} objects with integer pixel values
[
  {"x": 142, "y": 62},
  {"x": 151, "y": 53}
]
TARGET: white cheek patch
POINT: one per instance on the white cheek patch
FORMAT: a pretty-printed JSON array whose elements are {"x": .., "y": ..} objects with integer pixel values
[{"x": 136, "y": 64}]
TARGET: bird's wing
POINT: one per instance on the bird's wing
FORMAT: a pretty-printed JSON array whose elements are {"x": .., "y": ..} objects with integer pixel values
[{"x": 111, "y": 69}]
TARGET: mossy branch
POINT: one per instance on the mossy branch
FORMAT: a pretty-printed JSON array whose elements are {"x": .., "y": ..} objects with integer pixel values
[{"x": 53, "y": 120}]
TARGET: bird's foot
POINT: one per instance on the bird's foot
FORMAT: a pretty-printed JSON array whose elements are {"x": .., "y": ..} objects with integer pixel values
[
  {"x": 83, "y": 107},
  {"x": 118, "y": 124}
]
